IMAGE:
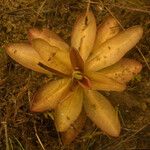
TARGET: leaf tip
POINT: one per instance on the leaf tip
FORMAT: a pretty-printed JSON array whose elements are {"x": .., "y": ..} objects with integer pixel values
[
  {"x": 116, "y": 131},
  {"x": 34, "y": 107},
  {"x": 138, "y": 30},
  {"x": 11, "y": 49},
  {"x": 35, "y": 104}
]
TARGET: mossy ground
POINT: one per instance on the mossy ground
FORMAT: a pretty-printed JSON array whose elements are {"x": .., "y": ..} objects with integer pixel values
[{"x": 19, "y": 128}]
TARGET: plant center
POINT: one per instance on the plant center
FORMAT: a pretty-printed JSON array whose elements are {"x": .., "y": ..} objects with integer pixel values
[{"x": 77, "y": 75}]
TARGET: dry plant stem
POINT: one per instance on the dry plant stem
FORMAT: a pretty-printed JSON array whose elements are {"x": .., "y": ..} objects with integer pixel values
[
  {"x": 132, "y": 135},
  {"x": 90, "y": 137},
  {"x": 38, "y": 138},
  {"x": 59, "y": 139},
  {"x": 139, "y": 50},
  {"x": 19, "y": 143},
  {"x": 6, "y": 134},
  {"x": 88, "y": 6},
  {"x": 38, "y": 12},
  {"x": 130, "y": 8}
]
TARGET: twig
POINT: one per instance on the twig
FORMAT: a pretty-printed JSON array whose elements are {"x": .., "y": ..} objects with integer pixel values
[
  {"x": 88, "y": 6},
  {"x": 39, "y": 10},
  {"x": 130, "y": 8},
  {"x": 6, "y": 134},
  {"x": 91, "y": 135},
  {"x": 143, "y": 57},
  {"x": 132, "y": 135},
  {"x": 124, "y": 138},
  {"x": 39, "y": 140},
  {"x": 19, "y": 143}
]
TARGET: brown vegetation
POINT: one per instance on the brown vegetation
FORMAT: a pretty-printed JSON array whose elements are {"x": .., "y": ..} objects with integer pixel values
[{"x": 21, "y": 129}]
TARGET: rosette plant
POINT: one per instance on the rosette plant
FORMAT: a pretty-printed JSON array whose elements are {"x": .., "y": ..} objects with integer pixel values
[{"x": 92, "y": 63}]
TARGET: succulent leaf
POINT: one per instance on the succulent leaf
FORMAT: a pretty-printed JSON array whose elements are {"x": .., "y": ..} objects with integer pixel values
[
  {"x": 68, "y": 110},
  {"x": 123, "y": 71},
  {"x": 106, "y": 30},
  {"x": 49, "y": 36},
  {"x": 76, "y": 60},
  {"x": 73, "y": 131},
  {"x": 83, "y": 35},
  {"x": 59, "y": 60},
  {"x": 114, "y": 49},
  {"x": 100, "y": 81},
  {"x": 102, "y": 113},
  {"x": 25, "y": 55},
  {"x": 49, "y": 95}
]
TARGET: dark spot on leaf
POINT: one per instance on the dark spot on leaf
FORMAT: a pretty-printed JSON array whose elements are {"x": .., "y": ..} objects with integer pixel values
[
  {"x": 116, "y": 74},
  {"x": 86, "y": 20},
  {"x": 52, "y": 70},
  {"x": 53, "y": 54},
  {"x": 68, "y": 118},
  {"x": 49, "y": 58},
  {"x": 98, "y": 59},
  {"x": 93, "y": 106},
  {"x": 15, "y": 51}
]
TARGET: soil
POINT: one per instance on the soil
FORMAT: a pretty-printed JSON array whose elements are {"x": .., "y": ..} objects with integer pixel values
[{"x": 19, "y": 128}]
